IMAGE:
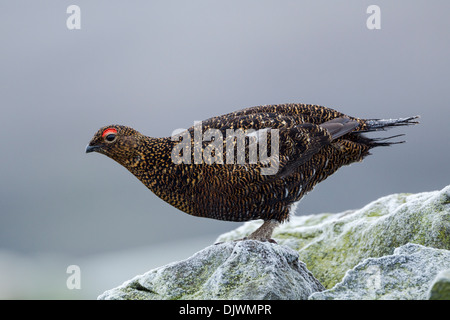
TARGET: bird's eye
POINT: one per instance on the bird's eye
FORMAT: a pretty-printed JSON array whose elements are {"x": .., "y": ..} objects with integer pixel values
[
  {"x": 110, "y": 137},
  {"x": 109, "y": 134}
]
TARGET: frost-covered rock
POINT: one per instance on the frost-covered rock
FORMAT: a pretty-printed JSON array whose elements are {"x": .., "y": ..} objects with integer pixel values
[
  {"x": 331, "y": 244},
  {"x": 232, "y": 270},
  {"x": 407, "y": 274},
  {"x": 397, "y": 247},
  {"x": 440, "y": 288}
]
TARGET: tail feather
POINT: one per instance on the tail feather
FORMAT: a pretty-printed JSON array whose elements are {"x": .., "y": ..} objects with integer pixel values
[
  {"x": 371, "y": 125},
  {"x": 382, "y": 142},
  {"x": 383, "y": 124}
]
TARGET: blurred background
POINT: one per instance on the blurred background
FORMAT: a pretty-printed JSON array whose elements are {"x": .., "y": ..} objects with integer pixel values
[{"x": 161, "y": 65}]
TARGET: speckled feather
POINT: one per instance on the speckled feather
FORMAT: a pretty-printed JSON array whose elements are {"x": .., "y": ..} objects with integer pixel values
[{"x": 311, "y": 149}]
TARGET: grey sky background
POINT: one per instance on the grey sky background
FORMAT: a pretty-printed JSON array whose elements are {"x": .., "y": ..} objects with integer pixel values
[{"x": 161, "y": 65}]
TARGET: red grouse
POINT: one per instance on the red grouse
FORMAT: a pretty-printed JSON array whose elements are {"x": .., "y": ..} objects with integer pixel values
[{"x": 202, "y": 173}]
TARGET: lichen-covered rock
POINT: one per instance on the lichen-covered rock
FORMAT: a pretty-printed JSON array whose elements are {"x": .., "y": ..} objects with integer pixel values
[
  {"x": 407, "y": 274},
  {"x": 331, "y": 244},
  {"x": 232, "y": 270},
  {"x": 440, "y": 288}
]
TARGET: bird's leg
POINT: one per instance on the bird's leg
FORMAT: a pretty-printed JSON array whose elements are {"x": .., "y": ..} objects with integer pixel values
[{"x": 264, "y": 232}]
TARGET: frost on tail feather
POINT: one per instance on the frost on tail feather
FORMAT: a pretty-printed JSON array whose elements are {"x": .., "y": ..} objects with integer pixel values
[
  {"x": 382, "y": 124},
  {"x": 371, "y": 125}
]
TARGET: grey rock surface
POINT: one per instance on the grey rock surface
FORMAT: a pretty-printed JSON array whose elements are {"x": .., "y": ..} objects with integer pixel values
[
  {"x": 331, "y": 244},
  {"x": 396, "y": 247},
  {"x": 407, "y": 274},
  {"x": 232, "y": 270}
]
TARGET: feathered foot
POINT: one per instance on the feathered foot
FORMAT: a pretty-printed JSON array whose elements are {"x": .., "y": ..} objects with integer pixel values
[{"x": 263, "y": 233}]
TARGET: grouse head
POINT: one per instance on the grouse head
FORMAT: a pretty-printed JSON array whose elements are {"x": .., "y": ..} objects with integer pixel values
[{"x": 120, "y": 143}]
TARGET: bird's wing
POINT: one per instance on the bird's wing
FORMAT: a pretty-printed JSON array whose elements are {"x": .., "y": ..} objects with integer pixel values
[
  {"x": 339, "y": 126},
  {"x": 304, "y": 113},
  {"x": 253, "y": 121},
  {"x": 299, "y": 143}
]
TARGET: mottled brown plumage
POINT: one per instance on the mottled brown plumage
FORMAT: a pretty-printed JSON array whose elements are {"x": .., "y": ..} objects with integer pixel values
[{"x": 314, "y": 142}]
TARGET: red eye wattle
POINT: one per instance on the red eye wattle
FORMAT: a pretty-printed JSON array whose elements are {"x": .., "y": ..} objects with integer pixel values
[{"x": 109, "y": 131}]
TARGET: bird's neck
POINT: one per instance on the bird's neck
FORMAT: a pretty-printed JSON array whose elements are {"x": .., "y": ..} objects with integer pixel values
[{"x": 152, "y": 163}]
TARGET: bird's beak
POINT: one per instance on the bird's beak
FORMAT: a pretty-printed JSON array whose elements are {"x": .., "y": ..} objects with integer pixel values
[{"x": 90, "y": 149}]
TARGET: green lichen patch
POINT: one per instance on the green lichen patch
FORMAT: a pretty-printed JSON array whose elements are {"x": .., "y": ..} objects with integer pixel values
[{"x": 440, "y": 289}]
